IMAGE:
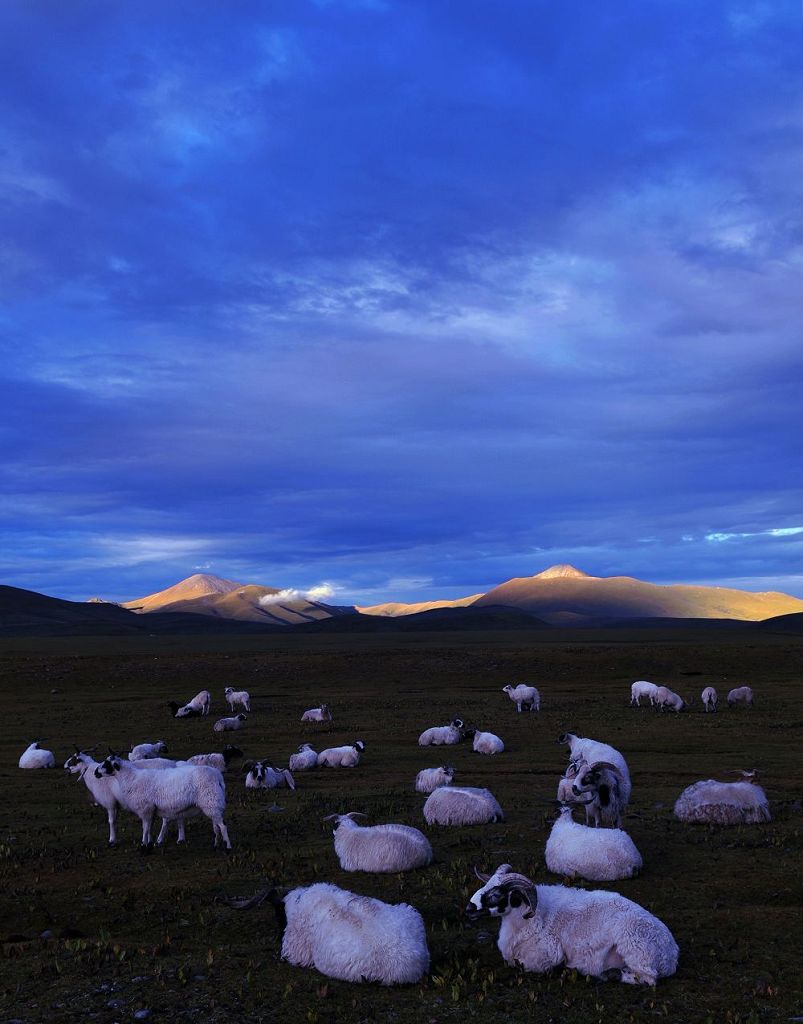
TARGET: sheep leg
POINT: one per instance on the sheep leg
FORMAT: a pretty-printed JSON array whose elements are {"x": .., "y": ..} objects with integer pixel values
[
  {"x": 111, "y": 813},
  {"x": 219, "y": 829},
  {"x": 162, "y": 831},
  {"x": 147, "y": 819}
]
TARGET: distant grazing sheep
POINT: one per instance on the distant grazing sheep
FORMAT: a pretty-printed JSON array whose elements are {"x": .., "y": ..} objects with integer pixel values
[
  {"x": 666, "y": 698},
  {"x": 34, "y": 757},
  {"x": 741, "y": 695},
  {"x": 235, "y": 698},
  {"x": 642, "y": 688},
  {"x": 709, "y": 699},
  {"x": 462, "y": 805},
  {"x": 523, "y": 696},
  {"x": 199, "y": 705}
]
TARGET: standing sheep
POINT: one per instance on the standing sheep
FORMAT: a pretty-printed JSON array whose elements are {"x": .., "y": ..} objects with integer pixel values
[
  {"x": 592, "y": 751},
  {"x": 741, "y": 695},
  {"x": 235, "y": 698},
  {"x": 523, "y": 696},
  {"x": 709, "y": 699},
  {"x": 642, "y": 688},
  {"x": 35, "y": 757},
  {"x": 346, "y": 936},
  {"x": 666, "y": 698},
  {"x": 378, "y": 848},
  {"x": 598, "y": 933}
]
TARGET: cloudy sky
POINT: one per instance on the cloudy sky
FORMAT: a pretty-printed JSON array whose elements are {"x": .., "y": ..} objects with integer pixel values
[{"x": 400, "y": 298}]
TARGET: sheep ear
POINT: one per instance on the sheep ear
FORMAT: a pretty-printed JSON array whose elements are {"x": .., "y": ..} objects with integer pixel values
[
  {"x": 330, "y": 817},
  {"x": 355, "y": 814},
  {"x": 480, "y": 875}
]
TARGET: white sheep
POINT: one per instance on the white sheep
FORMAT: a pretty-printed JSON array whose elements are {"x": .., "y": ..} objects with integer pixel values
[
  {"x": 230, "y": 724},
  {"x": 346, "y": 936},
  {"x": 237, "y": 697},
  {"x": 597, "y": 933},
  {"x": 564, "y": 794},
  {"x": 103, "y": 790},
  {"x": 666, "y": 698},
  {"x": 442, "y": 735},
  {"x": 262, "y": 775},
  {"x": 462, "y": 805},
  {"x": 709, "y": 699},
  {"x": 598, "y": 787},
  {"x": 342, "y": 757},
  {"x": 523, "y": 695},
  {"x": 429, "y": 779},
  {"x": 35, "y": 757},
  {"x": 741, "y": 695},
  {"x": 484, "y": 742},
  {"x": 321, "y": 714},
  {"x": 170, "y": 794},
  {"x": 147, "y": 750},
  {"x": 598, "y": 854},
  {"x": 221, "y": 760},
  {"x": 724, "y": 803},
  {"x": 304, "y": 759},
  {"x": 378, "y": 848},
  {"x": 642, "y": 688},
  {"x": 593, "y": 751},
  {"x": 199, "y": 705}
]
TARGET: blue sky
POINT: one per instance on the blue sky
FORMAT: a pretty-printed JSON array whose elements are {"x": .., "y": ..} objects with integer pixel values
[{"x": 406, "y": 298}]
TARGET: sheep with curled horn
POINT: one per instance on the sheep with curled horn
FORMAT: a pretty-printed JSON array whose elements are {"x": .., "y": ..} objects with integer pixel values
[
  {"x": 378, "y": 848},
  {"x": 598, "y": 933},
  {"x": 598, "y": 787},
  {"x": 582, "y": 748}
]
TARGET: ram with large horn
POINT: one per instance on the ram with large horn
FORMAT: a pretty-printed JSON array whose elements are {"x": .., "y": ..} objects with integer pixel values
[{"x": 598, "y": 787}]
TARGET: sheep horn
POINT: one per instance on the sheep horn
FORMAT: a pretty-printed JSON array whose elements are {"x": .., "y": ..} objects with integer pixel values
[
  {"x": 480, "y": 875},
  {"x": 356, "y": 814},
  {"x": 525, "y": 888},
  {"x": 605, "y": 764},
  {"x": 330, "y": 817}
]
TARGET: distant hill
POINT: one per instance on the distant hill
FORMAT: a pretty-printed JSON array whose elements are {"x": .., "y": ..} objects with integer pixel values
[
  {"x": 202, "y": 594},
  {"x": 437, "y": 619},
  {"x": 397, "y": 608}
]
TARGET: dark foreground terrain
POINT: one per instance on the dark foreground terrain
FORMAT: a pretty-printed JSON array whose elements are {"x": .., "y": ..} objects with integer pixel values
[{"x": 97, "y": 934}]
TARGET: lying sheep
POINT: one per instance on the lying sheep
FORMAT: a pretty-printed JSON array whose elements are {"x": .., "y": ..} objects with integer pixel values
[
  {"x": 220, "y": 761},
  {"x": 442, "y": 735},
  {"x": 484, "y": 742},
  {"x": 341, "y": 757},
  {"x": 597, "y": 933},
  {"x": 523, "y": 696},
  {"x": 262, "y": 775},
  {"x": 642, "y": 688},
  {"x": 598, "y": 854},
  {"x": 724, "y": 803},
  {"x": 321, "y": 714},
  {"x": 564, "y": 794},
  {"x": 170, "y": 794},
  {"x": 35, "y": 757},
  {"x": 709, "y": 699},
  {"x": 305, "y": 759},
  {"x": 235, "y": 698},
  {"x": 230, "y": 724},
  {"x": 199, "y": 705},
  {"x": 741, "y": 695},
  {"x": 147, "y": 750},
  {"x": 346, "y": 936},
  {"x": 592, "y": 751},
  {"x": 666, "y": 698},
  {"x": 429, "y": 779},
  {"x": 462, "y": 805},
  {"x": 378, "y": 848}
]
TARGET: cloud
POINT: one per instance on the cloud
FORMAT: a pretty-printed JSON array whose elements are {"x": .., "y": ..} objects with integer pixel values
[{"x": 320, "y": 592}]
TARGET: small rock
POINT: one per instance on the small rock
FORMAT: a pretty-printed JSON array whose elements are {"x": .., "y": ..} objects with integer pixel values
[
  {"x": 199, "y": 977},
  {"x": 46, "y": 934},
  {"x": 142, "y": 1014},
  {"x": 114, "y": 1004}
]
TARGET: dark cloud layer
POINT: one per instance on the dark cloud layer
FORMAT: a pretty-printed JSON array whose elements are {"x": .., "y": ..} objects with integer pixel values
[{"x": 410, "y": 298}]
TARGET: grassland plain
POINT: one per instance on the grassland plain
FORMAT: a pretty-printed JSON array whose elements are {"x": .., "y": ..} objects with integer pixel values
[{"x": 96, "y": 934}]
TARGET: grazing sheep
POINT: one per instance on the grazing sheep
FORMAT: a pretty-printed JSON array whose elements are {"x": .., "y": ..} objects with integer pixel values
[
  {"x": 598, "y": 854},
  {"x": 429, "y": 779},
  {"x": 199, "y": 705},
  {"x": 442, "y": 735},
  {"x": 304, "y": 760},
  {"x": 484, "y": 742},
  {"x": 592, "y": 751},
  {"x": 741, "y": 695},
  {"x": 462, "y": 805},
  {"x": 147, "y": 750},
  {"x": 597, "y": 933},
  {"x": 220, "y": 761},
  {"x": 642, "y": 688},
  {"x": 709, "y": 698},
  {"x": 523, "y": 695},
  {"x": 346, "y": 936},
  {"x": 724, "y": 803},
  {"x": 666, "y": 698},
  {"x": 172, "y": 794},
  {"x": 237, "y": 697},
  {"x": 262, "y": 775},
  {"x": 378, "y": 848},
  {"x": 230, "y": 724},
  {"x": 601, "y": 785},
  {"x": 103, "y": 791},
  {"x": 341, "y": 757},
  {"x": 34, "y": 757},
  {"x": 321, "y": 714}
]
